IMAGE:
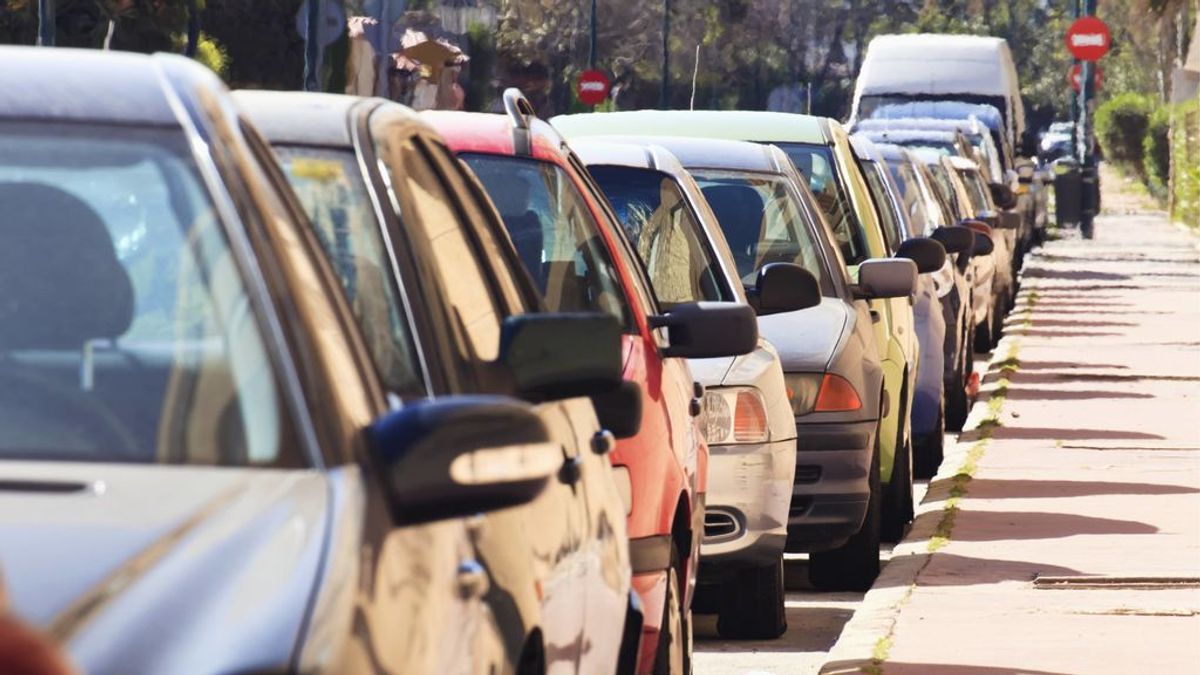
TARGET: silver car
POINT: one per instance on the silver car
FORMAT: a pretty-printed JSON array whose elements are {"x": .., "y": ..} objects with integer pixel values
[{"x": 747, "y": 420}]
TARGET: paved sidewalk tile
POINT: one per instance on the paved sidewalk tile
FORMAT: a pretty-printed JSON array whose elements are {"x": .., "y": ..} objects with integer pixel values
[{"x": 1092, "y": 470}]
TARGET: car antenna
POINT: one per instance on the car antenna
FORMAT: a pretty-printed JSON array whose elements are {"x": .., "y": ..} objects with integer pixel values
[{"x": 695, "y": 71}]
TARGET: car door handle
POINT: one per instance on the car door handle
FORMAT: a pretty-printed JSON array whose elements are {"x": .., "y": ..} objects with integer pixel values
[
  {"x": 571, "y": 471},
  {"x": 472, "y": 579}
]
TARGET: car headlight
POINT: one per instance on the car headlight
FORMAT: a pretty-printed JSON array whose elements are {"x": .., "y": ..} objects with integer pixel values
[
  {"x": 735, "y": 415},
  {"x": 820, "y": 392}
]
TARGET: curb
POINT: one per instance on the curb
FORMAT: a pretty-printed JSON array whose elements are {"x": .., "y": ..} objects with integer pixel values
[{"x": 865, "y": 639}]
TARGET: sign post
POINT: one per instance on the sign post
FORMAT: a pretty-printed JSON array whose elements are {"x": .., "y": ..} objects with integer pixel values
[{"x": 1088, "y": 39}]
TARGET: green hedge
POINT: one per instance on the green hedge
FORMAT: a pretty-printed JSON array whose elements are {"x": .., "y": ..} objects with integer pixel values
[
  {"x": 1156, "y": 150},
  {"x": 1121, "y": 124},
  {"x": 1187, "y": 166}
]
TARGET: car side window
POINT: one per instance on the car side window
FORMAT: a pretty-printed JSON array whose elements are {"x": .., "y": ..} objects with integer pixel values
[
  {"x": 556, "y": 238},
  {"x": 436, "y": 225}
]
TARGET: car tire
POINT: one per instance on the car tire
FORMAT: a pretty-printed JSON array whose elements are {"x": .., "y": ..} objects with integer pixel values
[
  {"x": 671, "y": 658},
  {"x": 983, "y": 334},
  {"x": 898, "y": 497},
  {"x": 853, "y": 566},
  {"x": 929, "y": 452},
  {"x": 752, "y": 604}
]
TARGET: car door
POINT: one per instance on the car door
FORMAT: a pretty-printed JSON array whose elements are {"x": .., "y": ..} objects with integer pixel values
[
  {"x": 603, "y": 552},
  {"x": 476, "y": 303}
]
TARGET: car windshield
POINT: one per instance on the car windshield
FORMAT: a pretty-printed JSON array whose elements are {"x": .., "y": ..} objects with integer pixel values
[
  {"x": 554, "y": 233},
  {"x": 762, "y": 221},
  {"x": 816, "y": 163},
  {"x": 905, "y": 175},
  {"x": 126, "y": 331},
  {"x": 976, "y": 190},
  {"x": 665, "y": 233},
  {"x": 330, "y": 186},
  {"x": 943, "y": 182}
]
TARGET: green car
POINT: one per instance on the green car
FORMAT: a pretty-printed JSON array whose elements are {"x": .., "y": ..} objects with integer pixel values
[{"x": 820, "y": 149}]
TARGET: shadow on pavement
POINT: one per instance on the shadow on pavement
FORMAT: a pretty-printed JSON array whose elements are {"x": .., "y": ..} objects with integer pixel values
[
  {"x": 1064, "y": 365},
  {"x": 1067, "y": 334},
  {"x": 950, "y": 569},
  {"x": 1075, "y": 275},
  {"x": 1055, "y": 434},
  {"x": 1020, "y": 488},
  {"x": 1025, "y": 394},
  {"x": 1067, "y": 323},
  {"x": 1021, "y": 525},
  {"x": 897, "y": 668}
]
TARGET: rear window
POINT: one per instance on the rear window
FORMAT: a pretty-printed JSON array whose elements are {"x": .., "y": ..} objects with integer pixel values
[
  {"x": 816, "y": 163},
  {"x": 127, "y": 333},
  {"x": 669, "y": 241},
  {"x": 762, "y": 221},
  {"x": 330, "y": 186},
  {"x": 556, "y": 237}
]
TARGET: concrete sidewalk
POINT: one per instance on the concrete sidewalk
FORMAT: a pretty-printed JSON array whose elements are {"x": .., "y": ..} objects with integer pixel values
[{"x": 1084, "y": 462}]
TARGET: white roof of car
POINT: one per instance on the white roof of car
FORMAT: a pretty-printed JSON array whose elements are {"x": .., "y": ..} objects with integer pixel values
[{"x": 938, "y": 64}]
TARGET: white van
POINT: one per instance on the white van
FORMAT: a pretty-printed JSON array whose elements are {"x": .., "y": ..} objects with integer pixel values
[{"x": 933, "y": 67}]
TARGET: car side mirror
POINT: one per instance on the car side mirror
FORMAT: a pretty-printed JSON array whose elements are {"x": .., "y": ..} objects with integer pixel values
[
  {"x": 885, "y": 278},
  {"x": 784, "y": 287},
  {"x": 1025, "y": 171},
  {"x": 701, "y": 330},
  {"x": 928, "y": 254},
  {"x": 1003, "y": 195},
  {"x": 620, "y": 409},
  {"x": 1009, "y": 220},
  {"x": 954, "y": 239},
  {"x": 983, "y": 237},
  {"x": 455, "y": 456},
  {"x": 557, "y": 356}
]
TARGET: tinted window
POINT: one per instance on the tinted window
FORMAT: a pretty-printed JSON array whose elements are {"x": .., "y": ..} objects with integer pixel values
[
  {"x": 976, "y": 190},
  {"x": 816, "y": 163},
  {"x": 762, "y": 221},
  {"x": 330, "y": 186},
  {"x": 663, "y": 230},
  {"x": 555, "y": 235},
  {"x": 910, "y": 194},
  {"x": 887, "y": 216},
  {"x": 126, "y": 332}
]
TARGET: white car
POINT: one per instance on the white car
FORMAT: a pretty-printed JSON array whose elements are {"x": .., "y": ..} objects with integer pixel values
[{"x": 748, "y": 420}]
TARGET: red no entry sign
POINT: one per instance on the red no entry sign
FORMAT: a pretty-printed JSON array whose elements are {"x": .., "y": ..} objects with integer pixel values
[
  {"x": 1076, "y": 77},
  {"x": 1088, "y": 38},
  {"x": 593, "y": 87}
]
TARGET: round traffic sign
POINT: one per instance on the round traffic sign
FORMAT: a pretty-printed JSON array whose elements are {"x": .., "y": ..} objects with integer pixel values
[
  {"x": 1076, "y": 77},
  {"x": 1088, "y": 38},
  {"x": 592, "y": 87}
]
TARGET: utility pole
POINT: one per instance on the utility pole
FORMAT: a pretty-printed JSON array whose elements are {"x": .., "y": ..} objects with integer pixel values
[
  {"x": 312, "y": 46},
  {"x": 1090, "y": 179},
  {"x": 665, "y": 96},
  {"x": 193, "y": 30},
  {"x": 46, "y": 28},
  {"x": 592, "y": 49}
]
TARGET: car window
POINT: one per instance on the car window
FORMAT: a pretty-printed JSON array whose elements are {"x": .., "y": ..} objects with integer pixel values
[
  {"x": 887, "y": 216},
  {"x": 664, "y": 231},
  {"x": 555, "y": 235},
  {"x": 816, "y": 163},
  {"x": 460, "y": 268},
  {"x": 976, "y": 190},
  {"x": 913, "y": 200},
  {"x": 330, "y": 187},
  {"x": 126, "y": 331},
  {"x": 762, "y": 222}
]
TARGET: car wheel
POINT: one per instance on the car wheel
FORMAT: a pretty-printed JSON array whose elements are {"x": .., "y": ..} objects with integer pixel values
[
  {"x": 752, "y": 604},
  {"x": 898, "y": 496},
  {"x": 930, "y": 450},
  {"x": 983, "y": 334},
  {"x": 671, "y": 657},
  {"x": 854, "y": 565},
  {"x": 957, "y": 405}
]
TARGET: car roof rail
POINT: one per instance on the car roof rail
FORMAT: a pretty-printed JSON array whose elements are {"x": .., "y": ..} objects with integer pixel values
[{"x": 521, "y": 112}]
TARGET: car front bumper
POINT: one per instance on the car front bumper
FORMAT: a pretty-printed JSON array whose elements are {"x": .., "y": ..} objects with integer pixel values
[
  {"x": 832, "y": 483},
  {"x": 746, "y": 513}
]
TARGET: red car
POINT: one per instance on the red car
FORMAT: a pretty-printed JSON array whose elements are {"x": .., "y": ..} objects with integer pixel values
[{"x": 572, "y": 247}]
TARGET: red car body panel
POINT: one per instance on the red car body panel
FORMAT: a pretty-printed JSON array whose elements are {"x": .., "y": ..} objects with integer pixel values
[{"x": 668, "y": 458}]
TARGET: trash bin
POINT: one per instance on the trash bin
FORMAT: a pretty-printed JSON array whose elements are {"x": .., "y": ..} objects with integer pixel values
[{"x": 1068, "y": 191}]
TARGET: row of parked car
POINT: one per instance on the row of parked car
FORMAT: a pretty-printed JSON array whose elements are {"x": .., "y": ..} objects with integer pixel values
[{"x": 313, "y": 382}]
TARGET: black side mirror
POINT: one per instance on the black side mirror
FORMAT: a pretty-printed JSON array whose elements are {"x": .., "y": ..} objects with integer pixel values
[
  {"x": 784, "y": 287},
  {"x": 954, "y": 239},
  {"x": 1009, "y": 220},
  {"x": 928, "y": 254},
  {"x": 555, "y": 356},
  {"x": 701, "y": 330},
  {"x": 620, "y": 409},
  {"x": 455, "y": 456},
  {"x": 1003, "y": 195},
  {"x": 983, "y": 237}
]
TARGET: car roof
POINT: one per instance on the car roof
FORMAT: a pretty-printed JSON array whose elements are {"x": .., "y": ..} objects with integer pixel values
[
  {"x": 864, "y": 148},
  {"x": 711, "y": 153},
  {"x": 891, "y": 152},
  {"x": 88, "y": 85},
  {"x": 962, "y": 163},
  {"x": 901, "y": 136},
  {"x": 739, "y": 125},
  {"x": 304, "y": 118},
  {"x": 630, "y": 153},
  {"x": 931, "y": 63},
  {"x": 970, "y": 126},
  {"x": 492, "y": 133}
]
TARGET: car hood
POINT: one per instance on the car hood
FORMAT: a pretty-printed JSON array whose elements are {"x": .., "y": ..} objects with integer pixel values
[
  {"x": 162, "y": 568},
  {"x": 807, "y": 339}
]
